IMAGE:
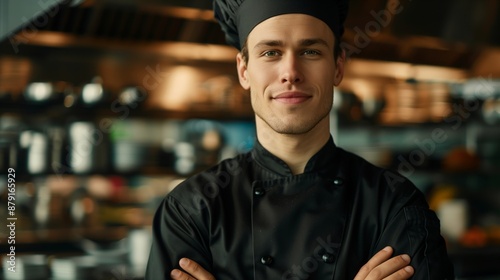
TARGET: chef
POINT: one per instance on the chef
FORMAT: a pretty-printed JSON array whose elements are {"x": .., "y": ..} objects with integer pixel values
[{"x": 297, "y": 206}]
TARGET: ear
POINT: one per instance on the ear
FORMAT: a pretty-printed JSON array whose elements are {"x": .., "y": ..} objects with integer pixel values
[
  {"x": 242, "y": 71},
  {"x": 339, "y": 68}
]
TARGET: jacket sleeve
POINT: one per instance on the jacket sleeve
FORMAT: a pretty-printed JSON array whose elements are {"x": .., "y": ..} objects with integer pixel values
[
  {"x": 415, "y": 230},
  {"x": 176, "y": 234}
]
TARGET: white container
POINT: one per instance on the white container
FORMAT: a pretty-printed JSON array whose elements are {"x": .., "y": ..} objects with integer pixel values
[{"x": 454, "y": 216}]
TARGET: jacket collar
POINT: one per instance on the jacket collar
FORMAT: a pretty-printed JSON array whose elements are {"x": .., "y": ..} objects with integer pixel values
[{"x": 320, "y": 162}]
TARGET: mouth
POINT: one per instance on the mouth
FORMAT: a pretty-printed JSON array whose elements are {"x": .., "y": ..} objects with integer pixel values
[{"x": 291, "y": 97}]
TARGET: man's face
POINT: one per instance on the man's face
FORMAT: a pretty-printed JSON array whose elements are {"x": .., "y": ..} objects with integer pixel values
[{"x": 291, "y": 72}]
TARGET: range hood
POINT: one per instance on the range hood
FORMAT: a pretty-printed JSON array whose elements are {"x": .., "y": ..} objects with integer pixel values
[{"x": 16, "y": 14}]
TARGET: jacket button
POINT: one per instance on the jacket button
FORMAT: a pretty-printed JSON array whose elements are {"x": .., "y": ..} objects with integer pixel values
[
  {"x": 338, "y": 181},
  {"x": 327, "y": 258},
  {"x": 258, "y": 191},
  {"x": 266, "y": 260}
]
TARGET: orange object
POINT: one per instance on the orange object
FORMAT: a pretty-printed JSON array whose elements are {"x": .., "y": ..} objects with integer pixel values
[
  {"x": 461, "y": 159},
  {"x": 474, "y": 237},
  {"x": 441, "y": 194}
]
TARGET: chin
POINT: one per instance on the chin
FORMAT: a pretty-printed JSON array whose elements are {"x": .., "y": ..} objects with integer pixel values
[{"x": 293, "y": 129}]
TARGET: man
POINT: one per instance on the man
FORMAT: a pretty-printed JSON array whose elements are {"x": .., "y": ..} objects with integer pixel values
[{"x": 296, "y": 206}]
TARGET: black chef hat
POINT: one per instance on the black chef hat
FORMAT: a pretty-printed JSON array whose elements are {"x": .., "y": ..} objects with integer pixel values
[{"x": 238, "y": 17}]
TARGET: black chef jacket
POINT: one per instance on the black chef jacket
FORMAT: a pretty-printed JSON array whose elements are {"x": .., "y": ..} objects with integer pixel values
[{"x": 249, "y": 217}]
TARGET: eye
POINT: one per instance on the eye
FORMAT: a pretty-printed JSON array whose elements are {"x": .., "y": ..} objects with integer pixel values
[
  {"x": 311, "y": 52},
  {"x": 270, "y": 53}
]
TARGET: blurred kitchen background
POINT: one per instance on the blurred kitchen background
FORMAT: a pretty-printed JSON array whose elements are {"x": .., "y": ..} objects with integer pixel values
[{"x": 106, "y": 105}]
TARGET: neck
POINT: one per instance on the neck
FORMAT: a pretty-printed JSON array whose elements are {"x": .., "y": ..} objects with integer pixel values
[{"x": 294, "y": 149}]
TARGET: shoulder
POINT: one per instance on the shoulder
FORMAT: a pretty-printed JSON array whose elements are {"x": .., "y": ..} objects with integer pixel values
[{"x": 377, "y": 182}]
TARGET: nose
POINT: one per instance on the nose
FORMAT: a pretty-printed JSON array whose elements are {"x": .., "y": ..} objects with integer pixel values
[{"x": 290, "y": 70}]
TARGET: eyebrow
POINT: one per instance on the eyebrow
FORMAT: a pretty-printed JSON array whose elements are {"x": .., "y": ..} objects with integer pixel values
[
  {"x": 269, "y": 43},
  {"x": 313, "y": 41},
  {"x": 302, "y": 43}
]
